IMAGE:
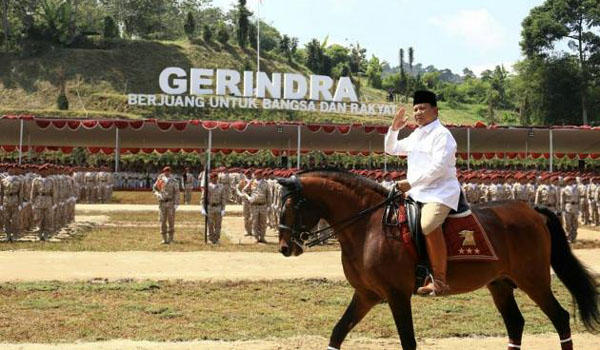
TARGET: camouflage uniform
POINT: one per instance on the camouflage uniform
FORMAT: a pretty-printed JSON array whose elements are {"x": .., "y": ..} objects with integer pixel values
[
  {"x": 242, "y": 190},
  {"x": 225, "y": 180},
  {"x": 531, "y": 192},
  {"x": 12, "y": 198},
  {"x": 216, "y": 205},
  {"x": 472, "y": 192},
  {"x": 259, "y": 200},
  {"x": 596, "y": 197},
  {"x": 496, "y": 192},
  {"x": 188, "y": 187},
  {"x": 166, "y": 189},
  {"x": 90, "y": 187},
  {"x": 549, "y": 196},
  {"x": 569, "y": 200},
  {"x": 592, "y": 204},
  {"x": 507, "y": 191},
  {"x": 44, "y": 198},
  {"x": 584, "y": 214},
  {"x": 520, "y": 192}
]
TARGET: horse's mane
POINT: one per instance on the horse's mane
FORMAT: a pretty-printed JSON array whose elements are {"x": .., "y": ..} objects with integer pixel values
[{"x": 348, "y": 178}]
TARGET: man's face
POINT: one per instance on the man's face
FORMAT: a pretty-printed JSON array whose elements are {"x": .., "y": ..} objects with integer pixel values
[
  {"x": 167, "y": 174},
  {"x": 424, "y": 113}
]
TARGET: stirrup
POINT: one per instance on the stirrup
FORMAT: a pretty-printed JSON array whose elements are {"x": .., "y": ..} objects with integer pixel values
[{"x": 433, "y": 287}]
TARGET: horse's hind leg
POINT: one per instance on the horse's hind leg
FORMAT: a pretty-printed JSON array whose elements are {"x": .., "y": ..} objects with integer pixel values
[
  {"x": 504, "y": 299},
  {"x": 542, "y": 295},
  {"x": 358, "y": 308}
]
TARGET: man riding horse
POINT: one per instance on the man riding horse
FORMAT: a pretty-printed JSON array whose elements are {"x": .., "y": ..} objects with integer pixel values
[{"x": 431, "y": 178}]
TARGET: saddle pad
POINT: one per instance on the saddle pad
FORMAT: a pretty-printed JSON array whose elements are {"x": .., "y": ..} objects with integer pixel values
[{"x": 466, "y": 240}]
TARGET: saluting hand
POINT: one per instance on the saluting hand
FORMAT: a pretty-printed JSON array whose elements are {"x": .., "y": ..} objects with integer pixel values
[{"x": 400, "y": 119}]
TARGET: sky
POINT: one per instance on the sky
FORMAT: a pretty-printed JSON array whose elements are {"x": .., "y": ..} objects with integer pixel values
[{"x": 478, "y": 34}]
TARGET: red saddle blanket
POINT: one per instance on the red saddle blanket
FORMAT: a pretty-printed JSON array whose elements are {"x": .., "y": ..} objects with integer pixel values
[{"x": 466, "y": 240}]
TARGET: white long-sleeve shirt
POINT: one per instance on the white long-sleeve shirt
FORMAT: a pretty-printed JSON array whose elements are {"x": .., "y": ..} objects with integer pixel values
[{"x": 430, "y": 152}]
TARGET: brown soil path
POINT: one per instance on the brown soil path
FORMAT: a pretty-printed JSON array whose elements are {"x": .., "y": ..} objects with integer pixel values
[{"x": 537, "y": 342}]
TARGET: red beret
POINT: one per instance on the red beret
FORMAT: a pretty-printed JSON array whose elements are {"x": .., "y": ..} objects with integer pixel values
[{"x": 165, "y": 169}]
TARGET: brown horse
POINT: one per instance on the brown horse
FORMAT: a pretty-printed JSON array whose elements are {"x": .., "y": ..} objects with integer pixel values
[{"x": 527, "y": 243}]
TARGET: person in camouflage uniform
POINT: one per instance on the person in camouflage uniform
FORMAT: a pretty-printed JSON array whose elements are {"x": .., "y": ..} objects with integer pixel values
[
  {"x": 519, "y": 190},
  {"x": 584, "y": 214},
  {"x": 548, "y": 195},
  {"x": 593, "y": 201},
  {"x": 45, "y": 199},
  {"x": 259, "y": 199},
  {"x": 188, "y": 185},
  {"x": 11, "y": 192},
  {"x": 569, "y": 204},
  {"x": 166, "y": 190},
  {"x": 216, "y": 208},
  {"x": 26, "y": 213},
  {"x": 507, "y": 192},
  {"x": 225, "y": 180},
  {"x": 531, "y": 190},
  {"x": 91, "y": 193},
  {"x": 471, "y": 190},
  {"x": 496, "y": 189},
  {"x": 243, "y": 190}
]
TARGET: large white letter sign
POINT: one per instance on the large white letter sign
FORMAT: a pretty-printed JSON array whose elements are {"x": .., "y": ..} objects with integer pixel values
[{"x": 179, "y": 85}]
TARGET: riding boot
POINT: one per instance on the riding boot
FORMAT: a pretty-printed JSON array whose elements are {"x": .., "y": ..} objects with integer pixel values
[{"x": 438, "y": 256}]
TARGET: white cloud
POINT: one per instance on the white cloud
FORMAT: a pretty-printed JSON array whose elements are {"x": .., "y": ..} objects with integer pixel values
[
  {"x": 476, "y": 28},
  {"x": 479, "y": 68}
]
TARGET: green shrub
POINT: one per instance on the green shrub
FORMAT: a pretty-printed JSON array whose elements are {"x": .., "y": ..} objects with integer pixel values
[{"x": 62, "y": 103}]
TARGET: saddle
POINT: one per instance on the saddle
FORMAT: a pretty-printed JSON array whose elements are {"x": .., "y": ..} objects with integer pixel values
[{"x": 465, "y": 237}]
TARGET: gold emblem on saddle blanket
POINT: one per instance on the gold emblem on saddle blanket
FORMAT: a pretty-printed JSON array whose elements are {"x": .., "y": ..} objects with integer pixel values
[{"x": 468, "y": 238}]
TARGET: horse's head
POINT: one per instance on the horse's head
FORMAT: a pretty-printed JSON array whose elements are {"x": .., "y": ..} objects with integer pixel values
[{"x": 297, "y": 217}]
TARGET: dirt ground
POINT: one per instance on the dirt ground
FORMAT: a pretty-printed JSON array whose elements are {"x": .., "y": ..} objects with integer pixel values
[{"x": 537, "y": 342}]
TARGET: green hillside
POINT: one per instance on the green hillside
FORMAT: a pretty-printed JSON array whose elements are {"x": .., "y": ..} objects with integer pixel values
[{"x": 100, "y": 75}]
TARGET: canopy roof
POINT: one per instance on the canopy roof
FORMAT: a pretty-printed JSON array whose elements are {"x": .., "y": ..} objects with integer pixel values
[{"x": 148, "y": 135}]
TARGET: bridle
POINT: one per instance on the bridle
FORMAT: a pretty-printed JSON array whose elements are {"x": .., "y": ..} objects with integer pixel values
[{"x": 303, "y": 236}]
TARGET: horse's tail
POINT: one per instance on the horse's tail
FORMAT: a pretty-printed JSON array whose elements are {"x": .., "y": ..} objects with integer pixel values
[{"x": 578, "y": 279}]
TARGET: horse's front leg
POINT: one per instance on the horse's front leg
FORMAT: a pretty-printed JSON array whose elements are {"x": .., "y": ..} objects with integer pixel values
[
  {"x": 401, "y": 310},
  {"x": 359, "y": 306}
]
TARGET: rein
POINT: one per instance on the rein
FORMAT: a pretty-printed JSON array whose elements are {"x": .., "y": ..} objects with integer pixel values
[{"x": 306, "y": 238}]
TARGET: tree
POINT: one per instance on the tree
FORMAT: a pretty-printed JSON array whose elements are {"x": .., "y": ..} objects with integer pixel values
[
  {"x": 252, "y": 34},
  {"x": 285, "y": 47},
  {"x": 546, "y": 89},
  {"x": 56, "y": 22},
  {"x": 5, "y": 24},
  {"x": 206, "y": 34},
  {"x": 468, "y": 74},
  {"x": 374, "y": 72},
  {"x": 110, "y": 28},
  {"x": 401, "y": 64},
  {"x": 577, "y": 21},
  {"x": 242, "y": 23},
  {"x": 190, "y": 25},
  {"x": 411, "y": 58},
  {"x": 222, "y": 34},
  {"x": 314, "y": 56},
  {"x": 358, "y": 57}
]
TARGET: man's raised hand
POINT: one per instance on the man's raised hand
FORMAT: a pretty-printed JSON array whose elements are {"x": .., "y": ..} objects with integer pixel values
[{"x": 400, "y": 119}]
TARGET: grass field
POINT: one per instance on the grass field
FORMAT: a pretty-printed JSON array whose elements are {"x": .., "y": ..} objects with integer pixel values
[
  {"x": 178, "y": 311},
  {"x": 139, "y": 231},
  {"x": 144, "y": 197}
]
